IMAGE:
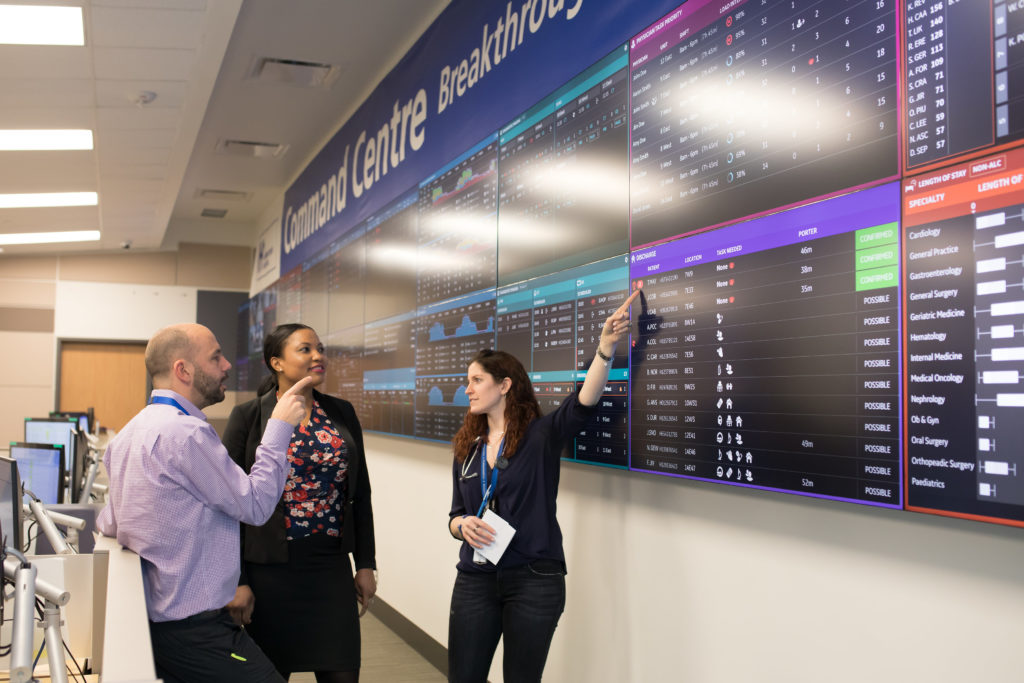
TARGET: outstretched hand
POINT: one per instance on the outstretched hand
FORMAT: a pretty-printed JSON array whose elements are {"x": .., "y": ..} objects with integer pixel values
[
  {"x": 617, "y": 325},
  {"x": 291, "y": 407}
]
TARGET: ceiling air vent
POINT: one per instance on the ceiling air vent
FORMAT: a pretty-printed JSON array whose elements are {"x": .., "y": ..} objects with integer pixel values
[
  {"x": 293, "y": 72},
  {"x": 214, "y": 213},
  {"x": 251, "y": 148},
  {"x": 222, "y": 195}
]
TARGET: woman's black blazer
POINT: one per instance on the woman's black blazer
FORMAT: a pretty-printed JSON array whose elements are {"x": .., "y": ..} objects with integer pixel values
[{"x": 267, "y": 544}]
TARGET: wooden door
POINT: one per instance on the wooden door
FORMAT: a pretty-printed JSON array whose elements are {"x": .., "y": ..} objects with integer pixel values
[{"x": 110, "y": 377}]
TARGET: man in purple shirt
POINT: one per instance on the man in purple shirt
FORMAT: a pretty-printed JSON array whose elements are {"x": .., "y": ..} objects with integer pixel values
[{"x": 176, "y": 499}]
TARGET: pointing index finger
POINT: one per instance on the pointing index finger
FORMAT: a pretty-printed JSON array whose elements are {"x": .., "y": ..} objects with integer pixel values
[
  {"x": 626, "y": 304},
  {"x": 299, "y": 386}
]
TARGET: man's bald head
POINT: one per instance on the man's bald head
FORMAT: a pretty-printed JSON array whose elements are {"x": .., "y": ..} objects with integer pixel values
[{"x": 168, "y": 345}]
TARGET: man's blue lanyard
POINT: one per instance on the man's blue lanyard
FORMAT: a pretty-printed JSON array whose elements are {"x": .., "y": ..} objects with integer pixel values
[
  {"x": 489, "y": 491},
  {"x": 167, "y": 401}
]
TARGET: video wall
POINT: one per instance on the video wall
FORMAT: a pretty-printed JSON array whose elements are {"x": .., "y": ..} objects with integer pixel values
[{"x": 822, "y": 205}]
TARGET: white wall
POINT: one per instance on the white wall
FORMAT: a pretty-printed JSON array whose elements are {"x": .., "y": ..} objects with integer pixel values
[
  {"x": 101, "y": 310},
  {"x": 672, "y": 580}
]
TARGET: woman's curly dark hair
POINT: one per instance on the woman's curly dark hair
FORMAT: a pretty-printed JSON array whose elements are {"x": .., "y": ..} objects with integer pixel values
[{"x": 521, "y": 405}]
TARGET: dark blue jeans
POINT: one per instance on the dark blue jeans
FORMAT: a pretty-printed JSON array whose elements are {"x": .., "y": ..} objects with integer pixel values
[{"x": 522, "y": 604}]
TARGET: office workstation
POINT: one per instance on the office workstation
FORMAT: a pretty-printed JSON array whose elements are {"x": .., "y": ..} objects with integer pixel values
[{"x": 805, "y": 463}]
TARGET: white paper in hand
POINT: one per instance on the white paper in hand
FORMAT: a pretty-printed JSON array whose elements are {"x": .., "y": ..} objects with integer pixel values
[{"x": 503, "y": 533}]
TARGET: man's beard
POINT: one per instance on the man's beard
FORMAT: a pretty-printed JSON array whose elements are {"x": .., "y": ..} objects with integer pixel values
[{"x": 208, "y": 387}]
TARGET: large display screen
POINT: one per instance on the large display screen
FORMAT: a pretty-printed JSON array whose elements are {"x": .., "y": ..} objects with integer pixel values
[
  {"x": 821, "y": 203},
  {"x": 346, "y": 279},
  {"x": 391, "y": 259},
  {"x": 553, "y": 324},
  {"x": 448, "y": 335},
  {"x": 768, "y": 352},
  {"x": 344, "y": 358},
  {"x": 457, "y": 226},
  {"x": 965, "y": 324},
  {"x": 564, "y": 197},
  {"x": 748, "y": 110},
  {"x": 389, "y": 374}
]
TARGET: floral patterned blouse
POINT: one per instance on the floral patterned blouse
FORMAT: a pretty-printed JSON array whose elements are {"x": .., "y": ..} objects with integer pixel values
[{"x": 315, "y": 489}]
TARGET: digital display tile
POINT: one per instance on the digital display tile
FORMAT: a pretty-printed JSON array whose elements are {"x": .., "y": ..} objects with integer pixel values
[
  {"x": 458, "y": 226},
  {"x": 346, "y": 280},
  {"x": 391, "y": 256},
  {"x": 767, "y": 353},
  {"x": 563, "y": 189},
  {"x": 314, "y": 292},
  {"x": 739, "y": 111},
  {"x": 552, "y": 324},
  {"x": 448, "y": 335},
  {"x": 344, "y": 358},
  {"x": 964, "y": 260},
  {"x": 389, "y": 374},
  {"x": 289, "y": 301}
]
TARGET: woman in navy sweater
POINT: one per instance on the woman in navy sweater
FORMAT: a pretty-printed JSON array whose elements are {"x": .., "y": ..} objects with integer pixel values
[{"x": 507, "y": 458}]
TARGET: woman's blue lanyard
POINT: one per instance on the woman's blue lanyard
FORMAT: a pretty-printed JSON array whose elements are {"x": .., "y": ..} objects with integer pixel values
[
  {"x": 489, "y": 490},
  {"x": 167, "y": 401}
]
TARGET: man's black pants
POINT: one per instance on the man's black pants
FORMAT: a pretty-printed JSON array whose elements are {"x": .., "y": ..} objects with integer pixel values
[{"x": 208, "y": 646}]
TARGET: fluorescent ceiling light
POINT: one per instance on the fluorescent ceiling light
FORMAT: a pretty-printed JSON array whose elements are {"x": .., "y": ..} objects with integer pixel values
[
  {"x": 49, "y": 237},
  {"x": 39, "y": 25},
  {"x": 48, "y": 199},
  {"x": 23, "y": 140}
]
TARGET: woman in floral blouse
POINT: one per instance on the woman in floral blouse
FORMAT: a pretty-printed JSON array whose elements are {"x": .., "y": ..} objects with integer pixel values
[{"x": 297, "y": 596}]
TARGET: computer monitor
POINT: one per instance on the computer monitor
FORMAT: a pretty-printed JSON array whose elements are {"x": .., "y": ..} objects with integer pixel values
[
  {"x": 41, "y": 468},
  {"x": 62, "y": 430},
  {"x": 10, "y": 503},
  {"x": 84, "y": 421}
]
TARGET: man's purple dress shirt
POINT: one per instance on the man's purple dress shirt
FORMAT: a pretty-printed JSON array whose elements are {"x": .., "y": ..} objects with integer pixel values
[{"x": 176, "y": 499}]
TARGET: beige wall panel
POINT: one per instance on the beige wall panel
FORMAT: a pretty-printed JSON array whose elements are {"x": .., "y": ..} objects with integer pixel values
[
  {"x": 109, "y": 377},
  {"x": 17, "y": 403},
  {"x": 212, "y": 265},
  {"x": 28, "y": 267},
  {"x": 143, "y": 269},
  {"x": 28, "y": 361},
  {"x": 26, "y": 319},
  {"x": 18, "y": 293}
]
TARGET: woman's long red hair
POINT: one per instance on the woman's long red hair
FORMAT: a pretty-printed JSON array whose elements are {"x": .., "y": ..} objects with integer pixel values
[{"x": 521, "y": 405}]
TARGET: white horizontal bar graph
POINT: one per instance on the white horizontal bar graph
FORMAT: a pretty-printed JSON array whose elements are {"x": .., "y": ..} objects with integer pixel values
[
  {"x": 991, "y": 265},
  {"x": 996, "y": 467},
  {"x": 1008, "y": 308},
  {"x": 1012, "y": 239},
  {"x": 1000, "y": 377},
  {"x": 1010, "y": 400},
  {"x": 994, "y": 287},
  {"x": 991, "y": 221}
]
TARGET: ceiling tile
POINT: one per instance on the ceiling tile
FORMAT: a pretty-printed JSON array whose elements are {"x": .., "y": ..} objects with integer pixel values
[
  {"x": 112, "y": 169},
  {"x": 48, "y": 117},
  {"x": 136, "y": 118},
  {"x": 34, "y": 93},
  {"x": 123, "y": 93},
  {"x": 63, "y": 218},
  {"x": 152, "y": 4},
  {"x": 146, "y": 28},
  {"x": 138, "y": 139},
  {"x": 126, "y": 154},
  {"x": 48, "y": 171},
  {"x": 142, "y": 64},
  {"x": 45, "y": 62}
]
